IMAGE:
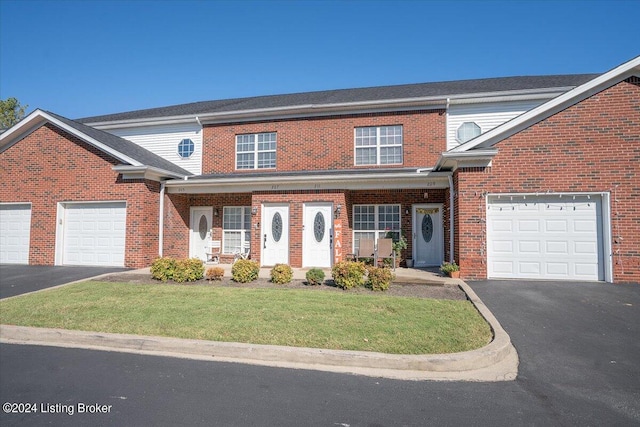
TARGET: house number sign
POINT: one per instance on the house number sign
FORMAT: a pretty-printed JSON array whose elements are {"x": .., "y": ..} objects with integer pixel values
[{"x": 425, "y": 211}]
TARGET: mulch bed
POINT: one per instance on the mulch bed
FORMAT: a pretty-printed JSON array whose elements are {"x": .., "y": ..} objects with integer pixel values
[{"x": 417, "y": 288}]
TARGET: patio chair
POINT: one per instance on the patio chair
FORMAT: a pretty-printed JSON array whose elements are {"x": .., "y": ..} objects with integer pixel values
[
  {"x": 213, "y": 251},
  {"x": 243, "y": 253},
  {"x": 385, "y": 251},
  {"x": 366, "y": 250}
]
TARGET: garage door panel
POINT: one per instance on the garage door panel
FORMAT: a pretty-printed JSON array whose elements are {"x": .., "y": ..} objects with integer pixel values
[
  {"x": 15, "y": 233},
  {"x": 529, "y": 247},
  {"x": 548, "y": 239},
  {"x": 555, "y": 247},
  {"x": 94, "y": 234},
  {"x": 529, "y": 268},
  {"x": 556, "y": 226},
  {"x": 528, "y": 226}
]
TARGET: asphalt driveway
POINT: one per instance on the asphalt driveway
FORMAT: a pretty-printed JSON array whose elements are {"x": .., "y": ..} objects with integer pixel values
[
  {"x": 578, "y": 343},
  {"x": 20, "y": 279}
]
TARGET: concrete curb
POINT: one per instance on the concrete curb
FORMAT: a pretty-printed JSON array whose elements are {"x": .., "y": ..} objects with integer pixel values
[{"x": 498, "y": 361}]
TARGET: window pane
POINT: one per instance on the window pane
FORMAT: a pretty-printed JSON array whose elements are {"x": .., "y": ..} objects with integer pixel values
[
  {"x": 231, "y": 242},
  {"x": 245, "y": 161},
  {"x": 366, "y": 156},
  {"x": 266, "y": 160},
  {"x": 390, "y": 155},
  {"x": 364, "y": 217}
]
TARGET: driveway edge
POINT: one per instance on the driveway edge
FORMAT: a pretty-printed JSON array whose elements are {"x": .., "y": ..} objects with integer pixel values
[{"x": 498, "y": 361}]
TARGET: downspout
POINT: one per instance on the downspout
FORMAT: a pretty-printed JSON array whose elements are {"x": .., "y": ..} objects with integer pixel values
[
  {"x": 451, "y": 197},
  {"x": 161, "y": 220},
  {"x": 451, "y": 222}
]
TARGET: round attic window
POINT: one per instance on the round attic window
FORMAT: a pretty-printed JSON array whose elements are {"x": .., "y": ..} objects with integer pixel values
[
  {"x": 467, "y": 131},
  {"x": 186, "y": 148}
]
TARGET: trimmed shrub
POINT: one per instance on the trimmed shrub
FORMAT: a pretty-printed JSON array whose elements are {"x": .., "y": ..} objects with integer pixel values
[
  {"x": 281, "y": 274},
  {"x": 348, "y": 274},
  {"x": 245, "y": 271},
  {"x": 214, "y": 273},
  {"x": 163, "y": 268},
  {"x": 188, "y": 270},
  {"x": 379, "y": 279},
  {"x": 315, "y": 276}
]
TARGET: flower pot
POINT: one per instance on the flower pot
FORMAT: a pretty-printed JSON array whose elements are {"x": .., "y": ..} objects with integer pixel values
[
  {"x": 454, "y": 274},
  {"x": 409, "y": 263}
]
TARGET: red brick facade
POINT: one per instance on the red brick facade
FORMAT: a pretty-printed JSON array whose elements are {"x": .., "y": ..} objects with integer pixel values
[
  {"x": 593, "y": 146},
  {"x": 50, "y": 166},
  {"x": 326, "y": 143}
]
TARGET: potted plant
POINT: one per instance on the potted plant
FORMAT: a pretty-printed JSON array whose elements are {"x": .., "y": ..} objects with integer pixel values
[
  {"x": 450, "y": 269},
  {"x": 398, "y": 245}
]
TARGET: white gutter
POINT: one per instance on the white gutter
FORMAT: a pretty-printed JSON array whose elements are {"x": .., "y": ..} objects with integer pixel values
[
  {"x": 148, "y": 172},
  {"x": 451, "y": 221},
  {"x": 161, "y": 221}
]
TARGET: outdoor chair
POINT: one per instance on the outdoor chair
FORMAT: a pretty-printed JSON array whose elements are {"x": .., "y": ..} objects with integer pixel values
[
  {"x": 243, "y": 253},
  {"x": 213, "y": 251},
  {"x": 366, "y": 250},
  {"x": 385, "y": 251}
]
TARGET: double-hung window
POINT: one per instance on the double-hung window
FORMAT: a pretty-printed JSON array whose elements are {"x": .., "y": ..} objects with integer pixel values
[
  {"x": 236, "y": 229},
  {"x": 256, "y": 151},
  {"x": 374, "y": 222},
  {"x": 380, "y": 145}
]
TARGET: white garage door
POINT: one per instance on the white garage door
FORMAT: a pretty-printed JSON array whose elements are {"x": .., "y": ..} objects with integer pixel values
[
  {"x": 94, "y": 234},
  {"x": 15, "y": 231},
  {"x": 545, "y": 237}
]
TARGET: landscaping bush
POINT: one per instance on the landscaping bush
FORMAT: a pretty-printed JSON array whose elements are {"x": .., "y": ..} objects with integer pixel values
[
  {"x": 379, "y": 279},
  {"x": 348, "y": 274},
  {"x": 214, "y": 273},
  {"x": 163, "y": 268},
  {"x": 281, "y": 274},
  {"x": 188, "y": 270},
  {"x": 315, "y": 276},
  {"x": 245, "y": 271}
]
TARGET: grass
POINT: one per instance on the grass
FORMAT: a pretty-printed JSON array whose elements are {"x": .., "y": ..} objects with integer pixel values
[{"x": 344, "y": 321}]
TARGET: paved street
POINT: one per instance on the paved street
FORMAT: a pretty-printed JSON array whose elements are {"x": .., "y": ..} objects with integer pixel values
[
  {"x": 577, "y": 343},
  {"x": 19, "y": 279}
]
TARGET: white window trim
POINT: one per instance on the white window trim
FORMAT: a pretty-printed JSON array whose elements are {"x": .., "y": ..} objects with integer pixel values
[
  {"x": 377, "y": 231},
  {"x": 255, "y": 150},
  {"x": 377, "y": 146},
  {"x": 246, "y": 210}
]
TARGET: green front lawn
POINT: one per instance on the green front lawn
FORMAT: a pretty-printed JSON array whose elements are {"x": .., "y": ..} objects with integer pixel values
[{"x": 301, "y": 318}]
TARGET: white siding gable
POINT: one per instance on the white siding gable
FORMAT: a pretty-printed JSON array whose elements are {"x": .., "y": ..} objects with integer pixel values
[
  {"x": 486, "y": 115},
  {"x": 163, "y": 140}
]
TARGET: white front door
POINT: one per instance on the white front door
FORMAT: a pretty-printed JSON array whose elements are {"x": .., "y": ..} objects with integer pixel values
[
  {"x": 428, "y": 235},
  {"x": 201, "y": 223},
  {"x": 317, "y": 235},
  {"x": 275, "y": 234}
]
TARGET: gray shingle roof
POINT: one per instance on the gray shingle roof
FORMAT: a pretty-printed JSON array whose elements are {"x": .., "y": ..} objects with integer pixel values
[
  {"x": 123, "y": 146},
  {"x": 418, "y": 90}
]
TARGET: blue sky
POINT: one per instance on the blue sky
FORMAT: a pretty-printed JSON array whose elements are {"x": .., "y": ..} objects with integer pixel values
[{"x": 85, "y": 58}]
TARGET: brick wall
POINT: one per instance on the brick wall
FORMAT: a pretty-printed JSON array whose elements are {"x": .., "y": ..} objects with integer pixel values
[
  {"x": 50, "y": 166},
  {"x": 326, "y": 143},
  {"x": 593, "y": 146}
]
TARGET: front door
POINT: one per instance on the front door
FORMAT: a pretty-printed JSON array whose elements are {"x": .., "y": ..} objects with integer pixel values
[
  {"x": 275, "y": 235},
  {"x": 317, "y": 238},
  {"x": 428, "y": 235},
  {"x": 200, "y": 234}
]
